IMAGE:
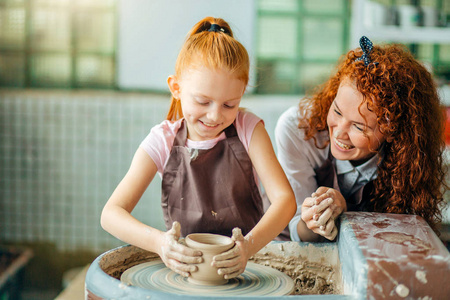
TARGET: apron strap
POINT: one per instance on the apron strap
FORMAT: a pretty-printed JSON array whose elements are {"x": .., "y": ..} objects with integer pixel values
[
  {"x": 231, "y": 131},
  {"x": 181, "y": 136}
]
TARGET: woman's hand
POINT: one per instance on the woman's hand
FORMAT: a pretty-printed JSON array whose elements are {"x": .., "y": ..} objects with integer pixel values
[
  {"x": 338, "y": 205},
  {"x": 177, "y": 256},
  {"x": 321, "y": 209},
  {"x": 233, "y": 262},
  {"x": 318, "y": 217}
]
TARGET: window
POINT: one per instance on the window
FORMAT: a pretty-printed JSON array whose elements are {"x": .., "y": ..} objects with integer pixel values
[
  {"x": 436, "y": 56},
  {"x": 299, "y": 43},
  {"x": 57, "y": 43}
]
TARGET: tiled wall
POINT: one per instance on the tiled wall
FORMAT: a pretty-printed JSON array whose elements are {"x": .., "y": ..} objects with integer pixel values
[{"x": 62, "y": 154}]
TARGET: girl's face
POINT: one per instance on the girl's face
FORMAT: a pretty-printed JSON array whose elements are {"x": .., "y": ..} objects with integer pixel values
[
  {"x": 354, "y": 134},
  {"x": 210, "y": 101}
]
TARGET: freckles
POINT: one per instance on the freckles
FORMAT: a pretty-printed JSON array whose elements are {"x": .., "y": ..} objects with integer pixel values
[
  {"x": 336, "y": 133},
  {"x": 329, "y": 118},
  {"x": 360, "y": 142}
]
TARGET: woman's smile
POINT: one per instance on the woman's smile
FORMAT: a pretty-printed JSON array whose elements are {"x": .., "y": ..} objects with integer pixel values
[{"x": 342, "y": 145}]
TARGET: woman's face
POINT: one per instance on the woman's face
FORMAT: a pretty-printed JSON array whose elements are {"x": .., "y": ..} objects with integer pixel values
[
  {"x": 210, "y": 101},
  {"x": 354, "y": 131}
]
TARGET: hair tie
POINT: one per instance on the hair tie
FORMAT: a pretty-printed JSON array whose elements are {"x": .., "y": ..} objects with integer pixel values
[
  {"x": 366, "y": 46},
  {"x": 216, "y": 28}
]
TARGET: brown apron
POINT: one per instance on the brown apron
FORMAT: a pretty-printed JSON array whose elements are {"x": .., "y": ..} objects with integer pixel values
[
  {"x": 326, "y": 176},
  {"x": 212, "y": 192}
]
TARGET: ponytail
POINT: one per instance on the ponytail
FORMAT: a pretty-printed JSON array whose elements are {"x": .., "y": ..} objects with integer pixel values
[
  {"x": 175, "y": 112},
  {"x": 210, "y": 43},
  {"x": 207, "y": 24}
]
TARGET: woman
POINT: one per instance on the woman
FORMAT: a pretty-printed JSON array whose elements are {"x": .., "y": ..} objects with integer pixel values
[{"x": 370, "y": 139}]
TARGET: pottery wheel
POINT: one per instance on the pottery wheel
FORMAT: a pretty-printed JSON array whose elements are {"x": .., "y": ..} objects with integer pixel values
[{"x": 257, "y": 280}]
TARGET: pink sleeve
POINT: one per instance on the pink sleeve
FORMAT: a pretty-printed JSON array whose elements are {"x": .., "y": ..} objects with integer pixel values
[
  {"x": 159, "y": 142},
  {"x": 245, "y": 125}
]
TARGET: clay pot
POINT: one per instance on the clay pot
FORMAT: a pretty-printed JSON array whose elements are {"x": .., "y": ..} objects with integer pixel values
[{"x": 210, "y": 245}]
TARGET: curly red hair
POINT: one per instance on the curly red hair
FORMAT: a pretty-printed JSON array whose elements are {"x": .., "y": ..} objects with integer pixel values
[{"x": 403, "y": 95}]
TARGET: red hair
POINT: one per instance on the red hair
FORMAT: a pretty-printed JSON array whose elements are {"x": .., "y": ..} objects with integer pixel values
[
  {"x": 211, "y": 49},
  {"x": 403, "y": 95}
]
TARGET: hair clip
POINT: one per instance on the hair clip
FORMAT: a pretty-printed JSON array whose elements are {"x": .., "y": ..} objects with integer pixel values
[
  {"x": 216, "y": 28},
  {"x": 366, "y": 46}
]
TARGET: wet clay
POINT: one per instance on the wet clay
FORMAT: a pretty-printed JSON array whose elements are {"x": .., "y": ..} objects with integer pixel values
[
  {"x": 114, "y": 263},
  {"x": 415, "y": 245},
  {"x": 310, "y": 278},
  {"x": 210, "y": 245}
]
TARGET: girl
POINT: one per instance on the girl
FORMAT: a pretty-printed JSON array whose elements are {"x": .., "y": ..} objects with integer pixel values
[
  {"x": 207, "y": 152},
  {"x": 370, "y": 139}
]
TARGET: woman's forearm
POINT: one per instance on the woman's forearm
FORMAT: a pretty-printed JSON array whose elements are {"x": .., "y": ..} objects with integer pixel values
[{"x": 307, "y": 235}]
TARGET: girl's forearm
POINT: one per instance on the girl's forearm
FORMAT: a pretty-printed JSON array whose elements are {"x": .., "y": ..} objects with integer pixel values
[
  {"x": 275, "y": 219},
  {"x": 121, "y": 224}
]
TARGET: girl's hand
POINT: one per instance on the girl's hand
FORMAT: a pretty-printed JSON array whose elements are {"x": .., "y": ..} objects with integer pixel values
[
  {"x": 233, "y": 262},
  {"x": 176, "y": 256}
]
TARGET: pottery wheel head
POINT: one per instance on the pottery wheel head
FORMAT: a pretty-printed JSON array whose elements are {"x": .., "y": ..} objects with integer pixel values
[{"x": 257, "y": 280}]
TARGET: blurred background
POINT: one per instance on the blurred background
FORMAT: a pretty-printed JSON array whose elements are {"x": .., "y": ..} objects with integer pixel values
[{"x": 82, "y": 82}]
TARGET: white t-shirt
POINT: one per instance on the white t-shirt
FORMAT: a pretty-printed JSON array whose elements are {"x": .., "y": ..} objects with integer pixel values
[{"x": 298, "y": 158}]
